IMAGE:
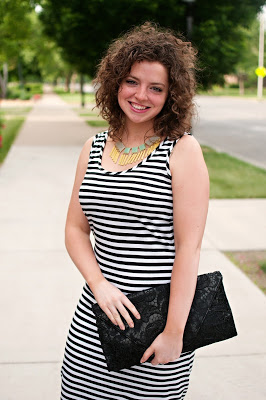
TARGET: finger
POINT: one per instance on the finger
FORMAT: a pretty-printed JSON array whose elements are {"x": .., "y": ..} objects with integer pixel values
[
  {"x": 148, "y": 353},
  {"x": 110, "y": 316},
  {"x": 155, "y": 361},
  {"x": 117, "y": 318},
  {"x": 125, "y": 315},
  {"x": 131, "y": 308}
]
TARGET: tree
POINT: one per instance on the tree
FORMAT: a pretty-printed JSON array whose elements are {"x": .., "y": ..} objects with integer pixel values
[
  {"x": 14, "y": 30},
  {"x": 248, "y": 60},
  {"x": 83, "y": 29},
  {"x": 25, "y": 51},
  {"x": 42, "y": 55},
  {"x": 222, "y": 35}
]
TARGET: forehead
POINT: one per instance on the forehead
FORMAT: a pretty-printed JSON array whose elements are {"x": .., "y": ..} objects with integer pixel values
[{"x": 153, "y": 71}]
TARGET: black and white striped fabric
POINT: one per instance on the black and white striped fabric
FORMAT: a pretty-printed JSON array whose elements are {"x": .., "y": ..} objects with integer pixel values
[{"x": 131, "y": 216}]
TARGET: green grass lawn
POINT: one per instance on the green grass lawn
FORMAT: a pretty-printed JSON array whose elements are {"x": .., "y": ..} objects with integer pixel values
[
  {"x": 13, "y": 119},
  {"x": 224, "y": 91},
  {"x": 74, "y": 98},
  {"x": 233, "y": 178},
  {"x": 97, "y": 123}
]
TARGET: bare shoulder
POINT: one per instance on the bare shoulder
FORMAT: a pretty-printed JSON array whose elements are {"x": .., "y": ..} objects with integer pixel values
[
  {"x": 87, "y": 145},
  {"x": 186, "y": 148},
  {"x": 187, "y": 144},
  {"x": 187, "y": 157},
  {"x": 85, "y": 152}
]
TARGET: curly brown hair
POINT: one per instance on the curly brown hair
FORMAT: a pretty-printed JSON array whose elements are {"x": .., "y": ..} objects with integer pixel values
[{"x": 149, "y": 42}]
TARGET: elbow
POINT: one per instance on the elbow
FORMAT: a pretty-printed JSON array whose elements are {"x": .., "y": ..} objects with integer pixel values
[
  {"x": 67, "y": 236},
  {"x": 74, "y": 234},
  {"x": 70, "y": 233},
  {"x": 189, "y": 247}
]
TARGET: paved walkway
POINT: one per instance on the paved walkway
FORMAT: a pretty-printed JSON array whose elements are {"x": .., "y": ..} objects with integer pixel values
[{"x": 40, "y": 286}]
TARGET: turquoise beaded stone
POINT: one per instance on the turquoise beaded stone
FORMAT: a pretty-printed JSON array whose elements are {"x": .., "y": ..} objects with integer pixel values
[
  {"x": 142, "y": 147},
  {"x": 127, "y": 150},
  {"x": 134, "y": 149}
]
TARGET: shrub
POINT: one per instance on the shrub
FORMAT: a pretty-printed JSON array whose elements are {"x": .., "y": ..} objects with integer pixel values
[
  {"x": 34, "y": 88},
  {"x": 24, "y": 93},
  {"x": 234, "y": 86}
]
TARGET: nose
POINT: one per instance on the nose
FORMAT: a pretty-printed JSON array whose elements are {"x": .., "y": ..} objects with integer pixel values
[{"x": 141, "y": 93}]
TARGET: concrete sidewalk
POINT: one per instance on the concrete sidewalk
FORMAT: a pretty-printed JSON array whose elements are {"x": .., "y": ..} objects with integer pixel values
[{"x": 40, "y": 286}]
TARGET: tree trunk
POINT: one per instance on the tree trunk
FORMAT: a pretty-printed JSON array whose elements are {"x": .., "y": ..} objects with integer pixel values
[
  {"x": 241, "y": 86},
  {"x": 3, "y": 81},
  {"x": 242, "y": 77},
  {"x": 73, "y": 82},
  {"x": 20, "y": 74},
  {"x": 82, "y": 90},
  {"x": 67, "y": 81}
]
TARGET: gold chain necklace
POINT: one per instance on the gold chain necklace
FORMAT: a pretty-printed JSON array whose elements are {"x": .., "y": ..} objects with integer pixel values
[{"x": 129, "y": 155}]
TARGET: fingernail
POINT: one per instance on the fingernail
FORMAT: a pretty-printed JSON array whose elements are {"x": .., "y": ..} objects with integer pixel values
[
  {"x": 131, "y": 325},
  {"x": 122, "y": 328}
]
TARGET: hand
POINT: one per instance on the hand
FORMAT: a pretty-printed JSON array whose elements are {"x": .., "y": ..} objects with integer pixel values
[
  {"x": 167, "y": 347},
  {"x": 113, "y": 302}
]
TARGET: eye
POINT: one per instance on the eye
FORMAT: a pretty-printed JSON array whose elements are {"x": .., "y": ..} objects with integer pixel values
[
  {"x": 156, "y": 89},
  {"x": 131, "y": 82}
]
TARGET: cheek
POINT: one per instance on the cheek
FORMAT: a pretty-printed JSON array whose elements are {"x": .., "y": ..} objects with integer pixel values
[
  {"x": 160, "y": 102},
  {"x": 124, "y": 92},
  {"x": 120, "y": 96}
]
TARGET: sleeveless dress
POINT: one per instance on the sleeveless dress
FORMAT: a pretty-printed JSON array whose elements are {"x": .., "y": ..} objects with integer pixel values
[{"x": 130, "y": 214}]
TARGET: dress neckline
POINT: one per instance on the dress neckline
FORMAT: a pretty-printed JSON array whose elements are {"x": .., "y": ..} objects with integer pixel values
[{"x": 129, "y": 169}]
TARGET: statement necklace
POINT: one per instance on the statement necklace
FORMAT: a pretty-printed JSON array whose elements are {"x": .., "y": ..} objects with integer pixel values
[{"x": 129, "y": 155}]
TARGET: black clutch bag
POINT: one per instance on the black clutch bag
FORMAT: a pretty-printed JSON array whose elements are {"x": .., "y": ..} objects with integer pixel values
[{"x": 210, "y": 320}]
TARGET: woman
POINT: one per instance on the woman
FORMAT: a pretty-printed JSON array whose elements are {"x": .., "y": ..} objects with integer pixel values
[{"x": 142, "y": 189}]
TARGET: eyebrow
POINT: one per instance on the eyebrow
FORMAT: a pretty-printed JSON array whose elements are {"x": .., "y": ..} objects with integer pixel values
[{"x": 152, "y": 83}]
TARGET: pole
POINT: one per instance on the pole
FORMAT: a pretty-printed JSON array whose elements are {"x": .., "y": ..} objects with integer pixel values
[
  {"x": 82, "y": 90},
  {"x": 189, "y": 17},
  {"x": 261, "y": 56}
]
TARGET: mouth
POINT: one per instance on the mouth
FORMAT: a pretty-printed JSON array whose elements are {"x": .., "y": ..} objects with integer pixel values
[{"x": 138, "y": 107}]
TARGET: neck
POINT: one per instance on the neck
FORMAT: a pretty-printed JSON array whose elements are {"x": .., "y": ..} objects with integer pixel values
[{"x": 136, "y": 134}]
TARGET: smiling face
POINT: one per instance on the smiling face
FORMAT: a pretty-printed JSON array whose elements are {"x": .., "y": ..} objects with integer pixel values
[{"x": 143, "y": 92}]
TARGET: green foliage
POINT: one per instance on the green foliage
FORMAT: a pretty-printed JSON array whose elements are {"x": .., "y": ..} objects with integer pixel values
[
  {"x": 17, "y": 93},
  {"x": 24, "y": 92},
  {"x": 14, "y": 28},
  {"x": 29, "y": 55},
  {"x": 84, "y": 29},
  {"x": 248, "y": 60},
  {"x": 41, "y": 55},
  {"x": 34, "y": 88}
]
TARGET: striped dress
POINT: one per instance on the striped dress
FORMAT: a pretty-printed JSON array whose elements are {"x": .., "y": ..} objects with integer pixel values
[{"x": 130, "y": 214}]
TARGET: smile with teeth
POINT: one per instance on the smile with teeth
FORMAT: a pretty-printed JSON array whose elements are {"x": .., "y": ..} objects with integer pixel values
[{"x": 138, "y": 107}]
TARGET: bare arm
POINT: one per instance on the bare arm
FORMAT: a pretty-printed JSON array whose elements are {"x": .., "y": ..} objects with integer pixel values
[
  {"x": 78, "y": 244},
  {"x": 77, "y": 229},
  {"x": 190, "y": 185}
]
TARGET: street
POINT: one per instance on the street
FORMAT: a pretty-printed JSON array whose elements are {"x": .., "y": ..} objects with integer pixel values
[{"x": 233, "y": 125}]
